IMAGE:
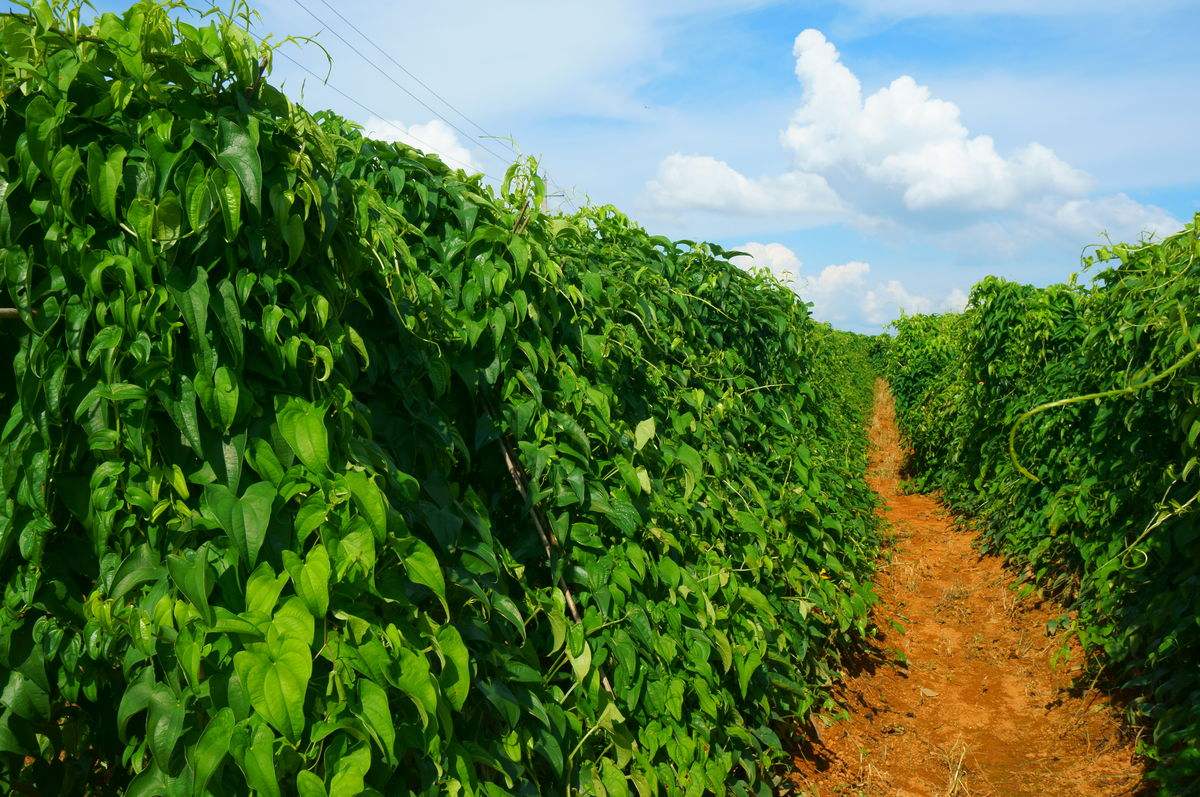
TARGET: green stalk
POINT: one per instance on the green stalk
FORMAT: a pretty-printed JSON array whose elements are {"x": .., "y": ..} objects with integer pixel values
[{"x": 1182, "y": 362}]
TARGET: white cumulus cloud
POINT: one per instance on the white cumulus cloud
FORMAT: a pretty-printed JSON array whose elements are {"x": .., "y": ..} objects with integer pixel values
[
  {"x": 704, "y": 183},
  {"x": 776, "y": 258},
  {"x": 956, "y": 301},
  {"x": 836, "y": 282},
  {"x": 904, "y": 139},
  {"x": 900, "y": 158},
  {"x": 844, "y": 292},
  {"x": 890, "y": 299},
  {"x": 1118, "y": 216},
  {"x": 434, "y": 138}
]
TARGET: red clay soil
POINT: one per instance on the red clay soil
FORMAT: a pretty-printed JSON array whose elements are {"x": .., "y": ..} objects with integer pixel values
[{"x": 965, "y": 701}]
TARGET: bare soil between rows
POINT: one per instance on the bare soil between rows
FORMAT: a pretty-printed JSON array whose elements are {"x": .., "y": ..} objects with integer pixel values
[{"x": 968, "y": 698}]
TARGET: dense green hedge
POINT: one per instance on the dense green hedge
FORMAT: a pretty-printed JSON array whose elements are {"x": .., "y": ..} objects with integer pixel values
[
  {"x": 1110, "y": 522},
  {"x": 287, "y": 412}
]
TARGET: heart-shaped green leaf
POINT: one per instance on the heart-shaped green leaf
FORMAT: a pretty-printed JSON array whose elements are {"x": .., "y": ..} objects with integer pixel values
[
  {"x": 244, "y": 519},
  {"x": 302, "y": 426},
  {"x": 275, "y": 674}
]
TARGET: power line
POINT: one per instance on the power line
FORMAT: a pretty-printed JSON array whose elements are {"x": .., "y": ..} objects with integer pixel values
[
  {"x": 375, "y": 114},
  {"x": 399, "y": 85},
  {"x": 424, "y": 85},
  {"x": 428, "y": 147},
  {"x": 418, "y": 80}
]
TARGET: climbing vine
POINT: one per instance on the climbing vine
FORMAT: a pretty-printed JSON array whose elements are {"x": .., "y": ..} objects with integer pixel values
[
  {"x": 325, "y": 469},
  {"x": 1067, "y": 420}
]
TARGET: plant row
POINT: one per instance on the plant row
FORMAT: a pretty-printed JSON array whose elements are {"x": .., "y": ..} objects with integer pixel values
[
  {"x": 325, "y": 469},
  {"x": 1067, "y": 420}
]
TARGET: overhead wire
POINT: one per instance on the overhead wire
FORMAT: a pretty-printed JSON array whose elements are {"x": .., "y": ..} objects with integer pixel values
[
  {"x": 366, "y": 37},
  {"x": 416, "y": 79},
  {"x": 399, "y": 128},
  {"x": 404, "y": 132},
  {"x": 398, "y": 84}
]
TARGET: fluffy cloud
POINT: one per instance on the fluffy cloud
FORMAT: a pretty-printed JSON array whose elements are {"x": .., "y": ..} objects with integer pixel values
[
  {"x": 956, "y": 301},
  {"x": 890, "y": 299},
  {"x": 906, "y": 140},
  {"x": 901, "y": 158},
  {"x": 776, "y": 258},
  {"x": 844, "y": 293},
  {"x": 434, "y": 137},
  {"x": 703, "y": 183},
  {"x": 835, "y": 289},
  {"x": 1061, "y": 226},
  {"x": 1119, "y": 216}
]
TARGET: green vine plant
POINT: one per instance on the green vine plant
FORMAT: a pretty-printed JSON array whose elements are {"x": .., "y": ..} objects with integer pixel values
[
  {"x": 328, "y": 469},
  {"x": 1097, "y": 525},
  {"x": 1102, "y": 395}
]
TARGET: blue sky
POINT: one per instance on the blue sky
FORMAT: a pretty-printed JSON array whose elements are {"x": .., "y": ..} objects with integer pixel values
[{"x": 882, "y": 155}]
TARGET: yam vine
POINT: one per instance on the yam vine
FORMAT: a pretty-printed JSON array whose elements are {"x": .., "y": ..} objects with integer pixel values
[
  {"x": 258, "y": 528},
  {"x": 1096, "y": 388}
]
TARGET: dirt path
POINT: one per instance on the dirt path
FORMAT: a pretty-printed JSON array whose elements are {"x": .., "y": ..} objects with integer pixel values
[{"x": 977, "y": 709}]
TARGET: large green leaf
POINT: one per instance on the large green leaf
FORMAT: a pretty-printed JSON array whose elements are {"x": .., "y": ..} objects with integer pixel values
[
  {"x": 422, "y": 566},
  {"x": 263, "y": 589},
  {"x": 190, "y": 572},
  {"x": 294, "y": 621},
  {"x": 370, "y": 501},
  {"x": 230, "y": 315},
  {"x": 256, "y": 757},
  {"x": 309, "y": 784},
  {"x": 376, "y": 714},
  {"x": 310, "y": 578},
  {"x": 198, "y": 198},
  {"x": 644, "y": 432},
  {"x": 244, "y": 519},
  {"x": 225, "y": 191},
  {"x": 275, "y": 674},
  {"x": 240, "y": 156},
  {"x": 456, "y": 668},
  {"x": 63, "y": 168},
  {"x": 225, "y": 394},
  {"x": 293, "y": 234},
  {"x": 302, "y": 426},
  {"x": 418, "y": 683},
  {"x": 212, "y": 746},
  {"x": 41, "y": 124},
  {"x": 140, "y": 566},
  {"x": 350, "y": 771},
  {"x": 189, "y": 291},
  {"x": 168, "y": 220}
]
